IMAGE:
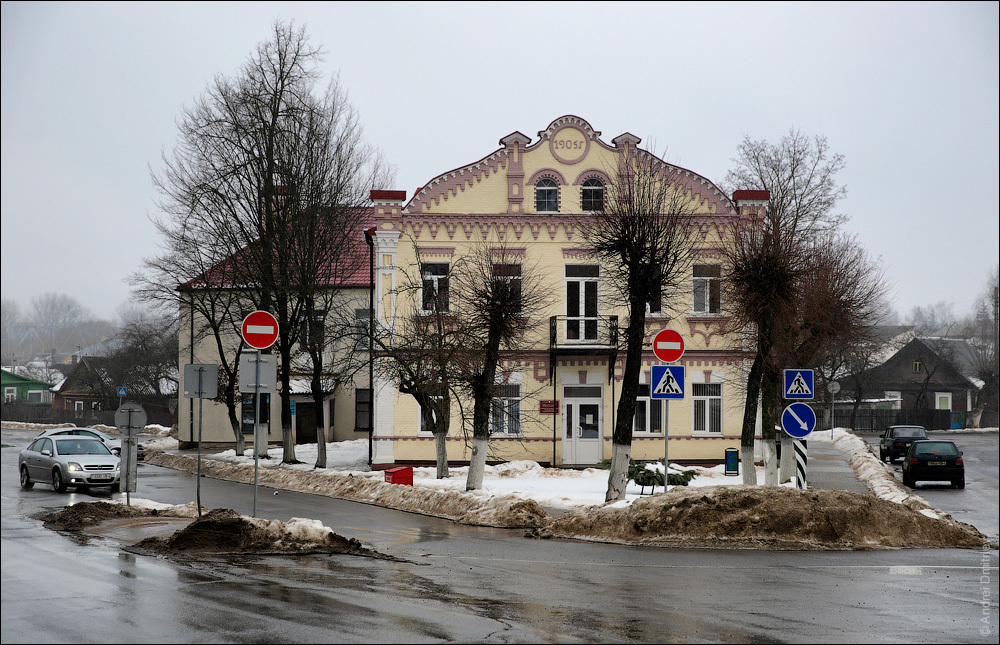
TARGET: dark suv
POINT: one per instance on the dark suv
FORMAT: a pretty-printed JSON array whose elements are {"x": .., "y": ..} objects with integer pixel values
[{"x": 897, "y": 439}]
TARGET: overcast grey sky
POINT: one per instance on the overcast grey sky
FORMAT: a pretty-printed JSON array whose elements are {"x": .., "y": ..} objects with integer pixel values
[{"x": 907, "y": 92}]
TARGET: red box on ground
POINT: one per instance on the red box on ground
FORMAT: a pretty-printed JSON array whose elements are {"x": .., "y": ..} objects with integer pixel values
[{"x": 400, "y": 475}]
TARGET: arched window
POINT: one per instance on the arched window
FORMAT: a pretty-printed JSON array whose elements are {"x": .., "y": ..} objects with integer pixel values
[
  {"x": 593, "y": 195},
  {"x": 546, "y": 196}
]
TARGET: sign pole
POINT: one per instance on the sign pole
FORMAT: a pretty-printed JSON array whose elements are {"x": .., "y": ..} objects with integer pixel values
[
  {"x": 256, "y": 430},
  {"x": 201, "y": 404},
  {"x": 666, "y": 441},
  {"x": 128, "y": 466},
  {"x": 801, "y": 461}
]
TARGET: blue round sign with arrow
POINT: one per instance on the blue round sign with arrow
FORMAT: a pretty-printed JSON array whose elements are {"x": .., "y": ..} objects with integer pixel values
[{"x": 798, "y": 420}]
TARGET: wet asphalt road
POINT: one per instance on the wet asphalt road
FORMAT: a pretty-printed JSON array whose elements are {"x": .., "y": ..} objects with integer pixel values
[
  {"x": 976, "y": 504},
  {"x": 464, "y": 584}
]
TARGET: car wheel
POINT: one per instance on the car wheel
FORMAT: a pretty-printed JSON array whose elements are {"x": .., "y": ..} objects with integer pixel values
[
  {"x": 959, "y": 483},
  {"x": 26, "y": 482},
  {"x": 907, "y": 481},
  {"x": 881, "y": 455},
  {"x": 57, "y": 481},
  {"x": 116, "y": 488}
]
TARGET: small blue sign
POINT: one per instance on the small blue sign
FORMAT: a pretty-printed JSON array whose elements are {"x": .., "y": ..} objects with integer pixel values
[
  {"x": 668, "y": 382},
  {"x": 291, "y": 404},
  {"x": 799, "y": 384},
  {"x": 798, "y": 420},
  {"x": 122, "y": 390}
]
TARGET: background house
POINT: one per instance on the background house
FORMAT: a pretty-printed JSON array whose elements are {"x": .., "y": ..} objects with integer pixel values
[
  {"x": 920, "y": 381},
  {"x": 90, "y": 394}
]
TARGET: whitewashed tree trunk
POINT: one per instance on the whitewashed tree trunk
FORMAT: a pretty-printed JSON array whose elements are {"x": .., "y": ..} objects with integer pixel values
[
  {"x": 477, "y": 465},
  {"x": 787, "y": 458},
  {"x": 441, "y": 454},
  {"x": 770, "y": 463},
  {"x": 748, "y": 465},
  {"x": 618, "y": 475}
]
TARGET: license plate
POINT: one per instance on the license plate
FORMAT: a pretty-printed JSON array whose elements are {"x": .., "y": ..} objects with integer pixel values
[
  {"x": 102, "y": 478},
  {"x": 937, "y": 463}
]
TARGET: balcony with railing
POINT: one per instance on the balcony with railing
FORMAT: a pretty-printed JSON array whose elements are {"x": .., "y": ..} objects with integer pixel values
[{"x": 583, "y": 334}]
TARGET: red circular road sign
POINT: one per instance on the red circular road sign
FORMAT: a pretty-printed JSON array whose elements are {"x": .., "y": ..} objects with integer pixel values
[
  {"x": 260, "y": 330},
  {"x": 668, "y": 345}
]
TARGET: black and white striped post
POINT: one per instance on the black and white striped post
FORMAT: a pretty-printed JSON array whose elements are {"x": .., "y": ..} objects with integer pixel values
[{"x": 801, "y": 460}]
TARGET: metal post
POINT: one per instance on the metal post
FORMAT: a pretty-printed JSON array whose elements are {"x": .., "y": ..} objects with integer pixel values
[
  {"x": 801, "y": 462},
  {"x": 201, "y": 404},
  {"x": 666, "y": 438},
  {"x": 256, "y": 429},
  {"x": 128, "y": 466}
]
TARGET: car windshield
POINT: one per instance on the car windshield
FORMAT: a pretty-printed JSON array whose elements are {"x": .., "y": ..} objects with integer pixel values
[
  {"x": 935, "y": 448},
  {"x": 909, "y": 432},
  {"x": 81, "y": 446}
]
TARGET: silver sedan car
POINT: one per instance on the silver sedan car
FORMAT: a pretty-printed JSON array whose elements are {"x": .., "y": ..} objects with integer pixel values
[
  {"x": 113, "y": 444},
  {"x": 69, "y": 461}
]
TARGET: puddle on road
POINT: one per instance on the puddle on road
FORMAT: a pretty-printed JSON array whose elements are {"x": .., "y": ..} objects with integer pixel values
[{"x": 135, "y": 529}]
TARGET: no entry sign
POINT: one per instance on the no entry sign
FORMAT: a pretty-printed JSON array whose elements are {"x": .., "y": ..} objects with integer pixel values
[
  {"x": 260, "y": 330},
  {"x": 668, "y": 345}
]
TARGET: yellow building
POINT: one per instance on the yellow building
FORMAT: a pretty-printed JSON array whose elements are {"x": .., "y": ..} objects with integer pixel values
[{"x": 559, "y": 392}]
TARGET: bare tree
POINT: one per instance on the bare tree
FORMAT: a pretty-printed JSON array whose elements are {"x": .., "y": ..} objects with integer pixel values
[
  {"x": 982, "y": 332},
  {"x": 767, "y": 262},
  {"x": 57, "y": 309},
  {"x": 10, "y": 322},
  {"x": 270, "y": 174},
  {"x": 498, "y": 298},
  {"x": 145, "y": 355},
  {"x": 424, "y": 351},
  {"x": 639, "y": 237}
]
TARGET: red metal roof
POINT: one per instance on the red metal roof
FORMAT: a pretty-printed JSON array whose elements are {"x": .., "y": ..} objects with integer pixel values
[{"x": 755, "y": 195}]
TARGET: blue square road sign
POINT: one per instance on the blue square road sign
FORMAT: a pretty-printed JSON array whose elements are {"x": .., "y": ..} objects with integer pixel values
[{"x": 667, "y": 382}]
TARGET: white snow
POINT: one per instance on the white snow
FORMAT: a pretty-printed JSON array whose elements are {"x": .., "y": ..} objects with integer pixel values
[{"x": 554, "y": 488}]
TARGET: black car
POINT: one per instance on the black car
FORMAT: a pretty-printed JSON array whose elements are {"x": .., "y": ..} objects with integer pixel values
[
  {"x": 896, "y": 440},
  {"x": 934, "y": 460}
]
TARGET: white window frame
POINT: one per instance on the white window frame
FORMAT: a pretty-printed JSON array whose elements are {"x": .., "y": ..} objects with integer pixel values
[
  {"x": 508, "y": 407},
  {"x": 436, "y": 279},
  {"x": 519, "y": 278},
  {"x": 937, "y": 395},
  {"x": 9, "y": 394},
  {"x": 697, "y": 381},
  {"x": 554, "y": 187},
  {"x": 582, "y": 318},
  {"x": 895, "y": 398},
  {"x": 592, "y": 185},
  {"x": 421, "y": 432},
  {"x": 703, "y": 284},
  {"x": 649, "y": 403}
]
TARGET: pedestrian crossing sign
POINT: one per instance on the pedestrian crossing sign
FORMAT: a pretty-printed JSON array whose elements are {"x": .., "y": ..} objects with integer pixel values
[
  {"x": 798, "y": 384},
  {"x": 667, "y": 382}
]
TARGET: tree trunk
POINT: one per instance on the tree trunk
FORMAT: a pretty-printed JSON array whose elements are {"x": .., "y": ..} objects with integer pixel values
[
  {"x": 748, "y": 465},
  {"x": 769, "y": 418},
  {"x": 441, "y": 454},
  {"x": 621, "y": 438},
  {"x": 287, "y": 438},
  {"x": 234, "y": 418},
  {"x": 750, "y": 422},
  {"x": 787, "y": 459},
  {"x": 477, "y": 465},
  {"x": 482, "y": 391},
  {"x": 318, "y": 395}
]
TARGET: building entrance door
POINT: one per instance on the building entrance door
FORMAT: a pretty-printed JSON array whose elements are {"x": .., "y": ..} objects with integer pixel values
[{"x": 583, "y": 433}]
